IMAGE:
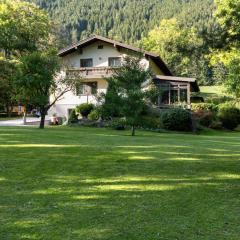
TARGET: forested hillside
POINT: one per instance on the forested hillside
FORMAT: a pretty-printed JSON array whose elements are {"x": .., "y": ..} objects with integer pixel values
[{"x": 123, "y": 19}]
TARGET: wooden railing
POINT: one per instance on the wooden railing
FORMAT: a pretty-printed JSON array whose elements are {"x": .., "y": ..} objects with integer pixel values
[{"x": 90, "y": 72}]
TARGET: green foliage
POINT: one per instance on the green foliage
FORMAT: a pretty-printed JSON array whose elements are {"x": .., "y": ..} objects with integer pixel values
[
  {"x": 7, "y": 88},
  {"x": 35, "y": 81},
  {"x": 35, "y": 78},
  {"x": 125, "y": 90},
  {"x": 204, "y": 117},
  {"x": 94, "y": 115},
  {"x": 23, "y": 26},
  {"x": 149, "y": 122},
  {"x": 177, "y": 46},
  {"x": 126, "y": 20},
  {"x": 229, "y": 116},
  {"x": 73, "y": 118},
  {"x": 233, "y": 80},
  {"x": 84, "y": 109},
  {"x": 118, "y": 124},
  {"x": 112, "y": 102},
  {"x": 204, "y": 106},
  {"x": 176, "y": 119},
  {"x": 228, "y": 15}
]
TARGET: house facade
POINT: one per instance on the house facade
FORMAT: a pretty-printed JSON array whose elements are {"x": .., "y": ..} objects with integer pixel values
[{"x": 94, "y": 59}]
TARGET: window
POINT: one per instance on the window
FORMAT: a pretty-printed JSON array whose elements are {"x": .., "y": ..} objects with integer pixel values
[
  {"x": 183, "y": 95},
  {"x": 88, "y": 88},
  {"x": 114, "y": 62},
  {"x": 173, "y": 93},
  {"x": 164, "y": 96},
  {"x": 86, "y": 62},
  {"x": 69, "y": 111},
  {"x": 100, "y": 46}
]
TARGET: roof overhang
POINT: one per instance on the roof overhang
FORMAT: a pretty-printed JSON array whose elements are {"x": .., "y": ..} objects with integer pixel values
[
  {"x": 154, "y": 57},
  {"x": 192, "y": 81}
]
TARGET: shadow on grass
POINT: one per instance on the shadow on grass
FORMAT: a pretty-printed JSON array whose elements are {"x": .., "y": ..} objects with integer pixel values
[{"x": 84, "y": 185}]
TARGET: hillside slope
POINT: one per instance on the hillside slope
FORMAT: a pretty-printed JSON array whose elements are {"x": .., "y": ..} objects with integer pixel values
[{"x": 123, "y": 19}]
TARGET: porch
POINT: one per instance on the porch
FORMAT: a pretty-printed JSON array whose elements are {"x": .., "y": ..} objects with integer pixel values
[{"x": 175, "y": 91}]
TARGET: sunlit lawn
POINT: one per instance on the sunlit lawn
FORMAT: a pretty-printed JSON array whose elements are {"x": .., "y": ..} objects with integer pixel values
[{"x": 70, "y": 183}]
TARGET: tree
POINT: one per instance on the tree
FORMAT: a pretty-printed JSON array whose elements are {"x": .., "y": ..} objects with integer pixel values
[
  {"x": 7, "y": 89},
  {"x": 23, "y": 27},
  {"x": 38, "y": 81},
  {"x": 233, "y": 80},
  {"x": 179, "y": 47},
  {"x": 228, "y": 15},
  {"x": 125, "y": 90}
]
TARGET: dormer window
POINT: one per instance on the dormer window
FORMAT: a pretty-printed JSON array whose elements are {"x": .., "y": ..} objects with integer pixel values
[
  {"x": 86, "y": 62},
  {"x": 100, "y": 46},
  {"x": 114, "y": 62}
]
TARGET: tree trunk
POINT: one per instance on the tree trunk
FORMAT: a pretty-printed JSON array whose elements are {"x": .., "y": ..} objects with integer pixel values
[
  {"x": 8, "y": 110},
  {"x": 42, "y": 121},
  {"x": 133, "y": 130}
]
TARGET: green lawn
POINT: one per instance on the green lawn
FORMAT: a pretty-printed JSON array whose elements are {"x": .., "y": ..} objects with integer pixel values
[{"x": 79, "y": 183}]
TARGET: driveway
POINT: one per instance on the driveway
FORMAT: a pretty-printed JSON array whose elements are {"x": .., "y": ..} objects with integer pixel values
[{"x": 19, "y": 122}]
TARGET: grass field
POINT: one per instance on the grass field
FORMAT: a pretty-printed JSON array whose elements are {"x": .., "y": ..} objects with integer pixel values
[{"x": 82, "y": 183}]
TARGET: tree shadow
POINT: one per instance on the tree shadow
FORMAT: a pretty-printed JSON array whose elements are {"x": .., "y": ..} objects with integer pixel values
[{"x": 84, "y": 185}]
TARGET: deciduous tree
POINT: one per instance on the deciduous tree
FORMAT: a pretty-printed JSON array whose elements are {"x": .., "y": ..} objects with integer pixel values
[{"x": 39, "y": 82}]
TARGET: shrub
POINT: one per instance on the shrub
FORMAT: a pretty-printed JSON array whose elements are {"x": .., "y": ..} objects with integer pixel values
[
  {"x": 84, "y": 109},
  {"x": 204, "y": 106},
  {"x": 176, "y": 119},
  {"x": 94, "y": 115},
  {"x": 204, "y": 117},
  {"x": 229, "y": 116},
  {"x": 217, "y": 125},
  {"x": 118, "y": 124},
  {"x": 149, "y": 122},
  {"x": 73, "y": 118},
  {"x": 219, "y": 99}
]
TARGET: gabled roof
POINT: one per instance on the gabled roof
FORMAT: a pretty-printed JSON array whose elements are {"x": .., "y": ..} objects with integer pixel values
[{"x": 155, "y": 58}]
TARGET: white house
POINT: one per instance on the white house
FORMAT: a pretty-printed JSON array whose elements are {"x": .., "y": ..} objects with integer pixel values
[{"x": 93, "y": 59}]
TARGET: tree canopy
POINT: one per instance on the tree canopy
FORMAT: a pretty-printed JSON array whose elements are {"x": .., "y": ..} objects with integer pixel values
[{"x": 23, "y": 26}]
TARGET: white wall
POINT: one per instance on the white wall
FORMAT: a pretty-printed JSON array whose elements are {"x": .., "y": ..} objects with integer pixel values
[
  {"x": 100, "y": 59},
  {"x": 99, "y": 56}
]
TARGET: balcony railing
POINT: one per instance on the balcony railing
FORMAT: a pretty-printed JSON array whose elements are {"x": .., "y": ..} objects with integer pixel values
[{"x": 90, "y": 72}]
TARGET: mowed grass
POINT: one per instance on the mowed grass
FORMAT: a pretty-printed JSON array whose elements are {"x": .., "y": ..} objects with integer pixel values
[{"x": 83, "y": 183}]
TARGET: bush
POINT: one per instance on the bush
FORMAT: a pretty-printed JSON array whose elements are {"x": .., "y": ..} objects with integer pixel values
[
  {"x": 229, "y": 116},
  {"x": 176, "y": 119},
  {"x": 204, "y": 106},
  {"x": 219, "y": 100},
  {"x": 94, "y": 115},
  {"x": 84, "y": 109},
  {"x": 118, "y": 124},
  {"x": 204, "y": 117},
  {"x": 73, "y": 118},
  {"x": 217, "y": 125},
  {"x": 149, "y": 122}
]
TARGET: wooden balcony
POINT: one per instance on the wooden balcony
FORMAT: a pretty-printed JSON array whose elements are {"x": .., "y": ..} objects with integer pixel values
[{"x": 90, "y": 72}]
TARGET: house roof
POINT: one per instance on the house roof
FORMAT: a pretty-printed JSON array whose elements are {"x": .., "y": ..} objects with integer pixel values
[
  {"x": 155, "y": 58},
  {"x": 192, "y": 81}
]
